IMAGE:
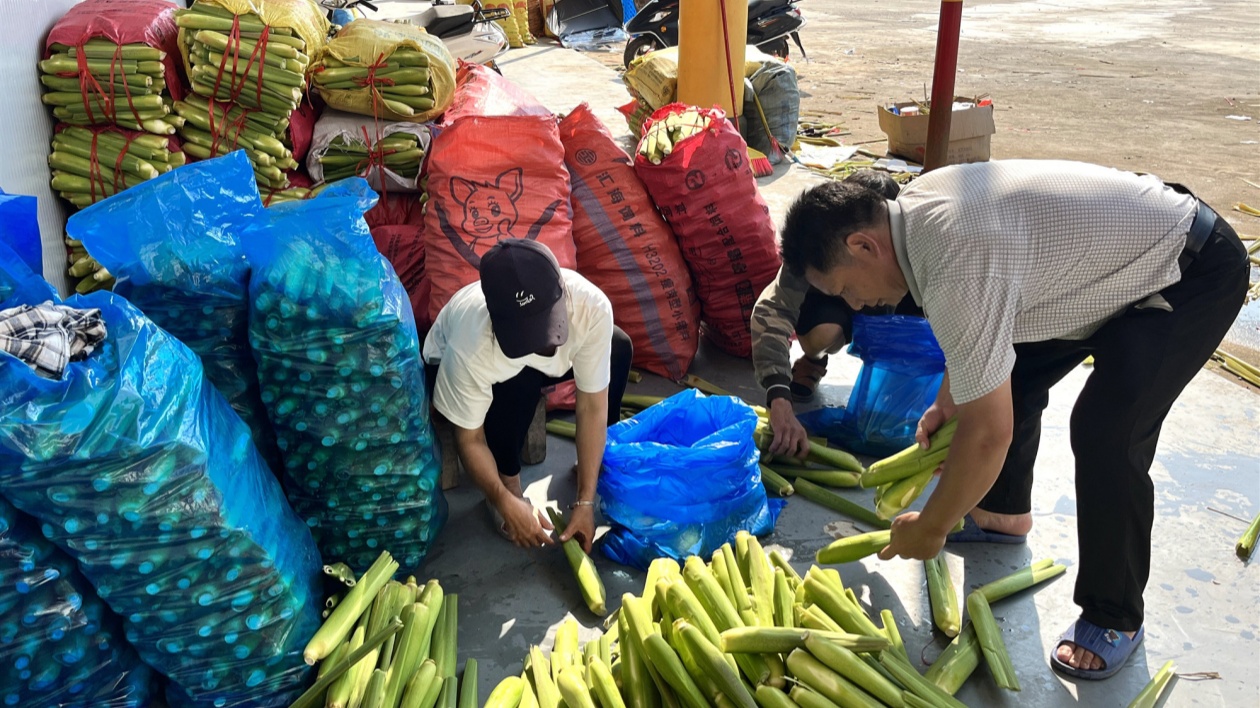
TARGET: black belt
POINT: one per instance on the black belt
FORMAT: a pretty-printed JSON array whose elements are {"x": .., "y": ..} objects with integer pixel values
[{"x": 1200, "y": 230}]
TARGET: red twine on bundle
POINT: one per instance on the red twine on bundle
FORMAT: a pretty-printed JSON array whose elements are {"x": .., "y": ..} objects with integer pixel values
[
  {"x": 233, "y": 49},
  {"x": 89, "y": 86},
  {"x": 96, "y": 175}
]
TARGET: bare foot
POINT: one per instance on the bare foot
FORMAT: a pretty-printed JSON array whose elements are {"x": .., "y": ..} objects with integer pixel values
[
  {"x": 1012, "y": 524},
  {"x": 1079, "y": 658}
]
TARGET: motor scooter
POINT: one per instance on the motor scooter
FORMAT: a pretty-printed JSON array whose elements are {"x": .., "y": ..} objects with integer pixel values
[{"x": 770, "y": 24}]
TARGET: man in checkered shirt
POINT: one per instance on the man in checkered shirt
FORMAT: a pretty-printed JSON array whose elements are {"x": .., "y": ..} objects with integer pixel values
[{"x": 1024, "y": 268}]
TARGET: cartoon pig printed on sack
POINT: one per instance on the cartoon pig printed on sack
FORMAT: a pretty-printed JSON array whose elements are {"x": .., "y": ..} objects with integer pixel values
[
  {"x": 490, "y": 213},
  {"x": 489, "y": 209}
]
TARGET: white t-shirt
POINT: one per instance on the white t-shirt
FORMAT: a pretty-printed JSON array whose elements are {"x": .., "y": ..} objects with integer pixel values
[{"x": 471, "y": 361}]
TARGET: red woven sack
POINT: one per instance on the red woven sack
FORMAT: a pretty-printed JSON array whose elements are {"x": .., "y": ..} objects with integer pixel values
[
  {"x": 626, "y": 249},
  {"x": 705, "y": 189},
  {"x": 479, "y": 91},
  {"x": 150, "y": 22},
  {"x": 490, "y": 178},
  {"x": 397, "y": 223}
]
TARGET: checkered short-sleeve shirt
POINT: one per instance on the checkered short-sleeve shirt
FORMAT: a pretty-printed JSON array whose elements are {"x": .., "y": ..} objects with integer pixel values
[{"x": 1012, "y": 251}]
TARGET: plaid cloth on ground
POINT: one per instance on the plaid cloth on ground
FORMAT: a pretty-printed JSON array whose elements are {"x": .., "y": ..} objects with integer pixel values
[{"x": 48, "y": 337}]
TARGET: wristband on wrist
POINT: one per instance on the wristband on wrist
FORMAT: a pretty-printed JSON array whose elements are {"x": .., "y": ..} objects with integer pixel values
[
  {"x": 777, "y": 391},
  {"x": 581, "y": 502}
]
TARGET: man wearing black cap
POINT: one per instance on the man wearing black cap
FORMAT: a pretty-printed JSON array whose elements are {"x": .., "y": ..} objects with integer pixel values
[{"x": 526, "y": 325}]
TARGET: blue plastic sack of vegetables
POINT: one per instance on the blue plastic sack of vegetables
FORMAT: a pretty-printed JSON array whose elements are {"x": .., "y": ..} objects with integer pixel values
[
  {"x": 173, "y": 244},
  {"x": 136, "y": 467},
  {"x": 902, "y": 370},
  {"x": 339, "y": 363},
  {"x": 59, "y": 644},
  {"x": 681, "y": 478}
]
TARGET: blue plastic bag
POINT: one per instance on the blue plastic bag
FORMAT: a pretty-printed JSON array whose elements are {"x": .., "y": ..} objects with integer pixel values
[
  {"x": 341, "y": 375},
  {"x": 173, "y": 243},
  {"x": 902, "y": 370},
  {"x": 681, "y": 478},
  {"x": 19, "y": 229},
  {"x": 139, "y": 470},
  {"x": 59, "y": 644}
]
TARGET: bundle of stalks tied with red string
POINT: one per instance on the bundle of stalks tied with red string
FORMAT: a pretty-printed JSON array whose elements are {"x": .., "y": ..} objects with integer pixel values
[
  {"x": 387, "y": 154},
  {"x": 247, "y": 62},
  {"x": 390, "y": 71},
  {"x": 114, "y": 62},
  {"x": 92, "y": 163}
]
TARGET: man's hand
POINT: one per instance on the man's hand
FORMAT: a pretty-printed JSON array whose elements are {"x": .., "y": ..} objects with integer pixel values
[
  {"x": 581, "y": 526},
  {"x": 525, "y": 526},
  {"x": 790, "y": 438},
  {"x": 933, "y": 418},
  {"x": 913, "y": 538}
]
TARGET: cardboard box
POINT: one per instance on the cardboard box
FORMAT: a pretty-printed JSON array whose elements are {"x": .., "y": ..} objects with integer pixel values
[{"x": 969, "y": 133}]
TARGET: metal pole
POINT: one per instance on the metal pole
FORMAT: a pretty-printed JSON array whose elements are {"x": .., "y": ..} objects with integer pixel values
[{"x": 943, "y": 84}]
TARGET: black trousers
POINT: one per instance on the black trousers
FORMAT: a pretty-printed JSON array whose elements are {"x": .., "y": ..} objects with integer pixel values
[
  {"x": 516, "y": 400},
  {"x": 1143, "y": 359}
]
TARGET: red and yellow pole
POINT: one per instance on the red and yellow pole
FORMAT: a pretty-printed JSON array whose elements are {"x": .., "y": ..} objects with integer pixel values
[
  {"x": 711, "y": 38},
  {"x": 946, "y": 69}
]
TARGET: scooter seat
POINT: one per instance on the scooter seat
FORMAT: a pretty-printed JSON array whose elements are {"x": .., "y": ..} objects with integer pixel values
[
  {"x": 449, "y": 20},
  {"x": 758, "y": 8}
]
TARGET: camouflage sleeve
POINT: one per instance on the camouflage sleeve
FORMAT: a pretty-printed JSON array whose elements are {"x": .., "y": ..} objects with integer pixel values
[{"x": 773, "y": 324}]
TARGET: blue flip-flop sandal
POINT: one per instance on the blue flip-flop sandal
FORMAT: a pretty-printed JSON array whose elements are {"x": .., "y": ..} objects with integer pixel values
[
  {"x": 972, "y": 533},
  {"x": 1114, "y": 648}
]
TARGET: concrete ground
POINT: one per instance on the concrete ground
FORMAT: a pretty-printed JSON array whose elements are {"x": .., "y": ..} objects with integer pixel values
[{"x": 1203, "y": 604}]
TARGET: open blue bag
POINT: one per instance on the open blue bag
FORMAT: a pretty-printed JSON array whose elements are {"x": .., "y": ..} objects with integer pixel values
[
  {"x": 138, "y": 469},
  {"x": 59, "y": 644},
  {"x": 902, "y": 370},
  {"x": 681, "y": 478},
  {"x": 339, "y": 365},
  {"x": 173, "y": 243}
]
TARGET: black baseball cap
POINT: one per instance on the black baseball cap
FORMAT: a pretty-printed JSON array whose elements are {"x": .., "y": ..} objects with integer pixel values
[{"x": 524, "y": 293}]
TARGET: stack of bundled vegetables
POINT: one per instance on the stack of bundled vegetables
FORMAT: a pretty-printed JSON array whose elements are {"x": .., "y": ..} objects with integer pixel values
[
  {"x": 901, "y": 478},
  {"x": 247, "y": 64},
  {"x": 110, "y": 74},
  {"x": 388, "y": 644},
  {"x": 339, "y": 367},
  {"x": 739, "y": 631},
  {"x": 386, "y": 70},
  {"x": 90, "y": 164},
  {"x": 111, "y": 63}
]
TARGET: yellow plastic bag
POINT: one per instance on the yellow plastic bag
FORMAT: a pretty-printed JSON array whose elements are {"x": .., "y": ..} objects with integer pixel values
[
  {"x": 520, "y": 12},
  {"x": 366, "y": 42},
  {"x": 654, "y": 77},
  {"x": 305, "y": 17},
  {"x": 510, "y": 26}
]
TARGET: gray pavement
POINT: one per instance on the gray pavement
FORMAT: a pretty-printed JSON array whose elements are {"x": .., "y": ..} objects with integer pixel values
[{"x": 1203, "y": 605}]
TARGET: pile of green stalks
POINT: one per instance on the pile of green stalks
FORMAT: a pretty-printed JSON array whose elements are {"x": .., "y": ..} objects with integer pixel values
[
  {"x": 743, "y": 629},
  {"x": 124, "y": 85},
  {"x": 247, "y": 79},
  {"x": 387, "y": 644},
  {"x": 399, "y": 153},
  {"x": 92, "y": 163}
]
